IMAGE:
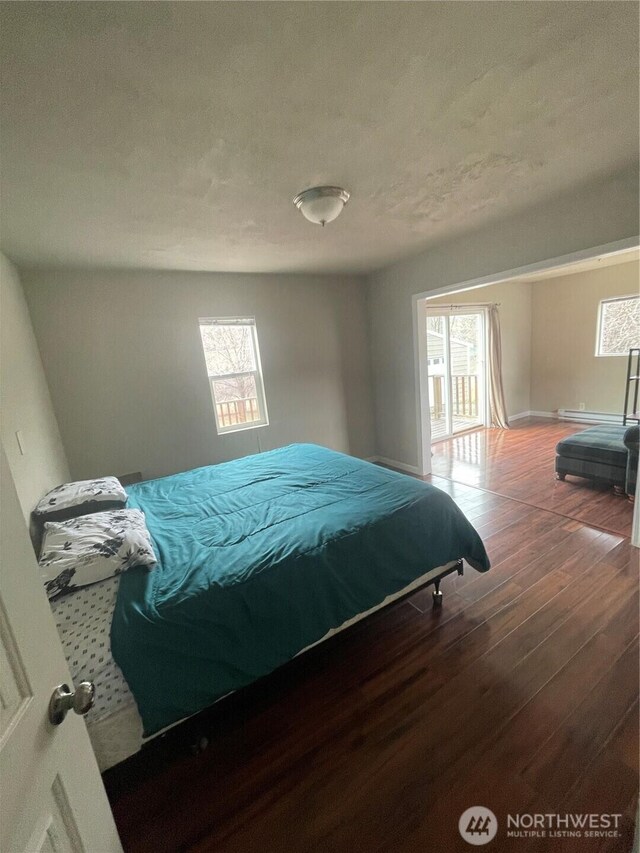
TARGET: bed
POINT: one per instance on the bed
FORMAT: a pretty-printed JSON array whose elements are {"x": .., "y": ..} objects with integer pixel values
[{"x": 258, "y": 560}]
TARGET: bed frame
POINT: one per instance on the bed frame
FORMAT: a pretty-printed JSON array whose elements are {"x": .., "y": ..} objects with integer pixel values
[{"x": 437, "y": 592}]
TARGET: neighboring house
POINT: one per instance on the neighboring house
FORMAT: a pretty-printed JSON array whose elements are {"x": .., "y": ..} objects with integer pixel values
[{"x": 462, "y": 355}]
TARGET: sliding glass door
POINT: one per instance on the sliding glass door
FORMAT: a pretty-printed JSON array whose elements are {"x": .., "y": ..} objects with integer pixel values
[{"x": 456, "y": 362}]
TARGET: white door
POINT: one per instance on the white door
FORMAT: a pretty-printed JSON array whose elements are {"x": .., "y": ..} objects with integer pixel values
[{"x": 52, "y": 796}]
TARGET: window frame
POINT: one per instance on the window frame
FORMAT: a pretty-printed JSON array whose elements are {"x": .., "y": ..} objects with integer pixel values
[
  {"x": 599, "y": 354},
  {"x": 249, "y": 322}
]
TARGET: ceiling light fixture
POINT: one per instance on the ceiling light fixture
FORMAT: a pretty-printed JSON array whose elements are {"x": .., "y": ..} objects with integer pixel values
[{"x": 321, "y": 204}]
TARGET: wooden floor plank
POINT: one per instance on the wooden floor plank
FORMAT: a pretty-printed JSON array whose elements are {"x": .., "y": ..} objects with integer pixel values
[
  {"x": 532, "y": 547},
  {"x": 550, "y": 708},
  {"x": 520, "y": 464},
  {"x": 569, "y": 751}
]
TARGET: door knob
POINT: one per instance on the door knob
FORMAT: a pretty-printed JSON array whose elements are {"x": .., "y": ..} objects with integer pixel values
[{"x": 64, "y": 700}]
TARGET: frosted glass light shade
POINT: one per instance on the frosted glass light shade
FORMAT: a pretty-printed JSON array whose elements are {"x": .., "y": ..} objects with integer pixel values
[
  {"x": 322, "y": 210},
  {"x": 321, "y": 204}
]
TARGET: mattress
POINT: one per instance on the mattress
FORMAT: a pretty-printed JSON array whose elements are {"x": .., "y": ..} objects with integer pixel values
[{"x": 83, "y": 620}]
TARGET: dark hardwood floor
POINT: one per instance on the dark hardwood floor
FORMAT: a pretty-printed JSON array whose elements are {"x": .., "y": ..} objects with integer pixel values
[
  {"x": 519, "y": 463},
  {"x": 521, "y": 695}
]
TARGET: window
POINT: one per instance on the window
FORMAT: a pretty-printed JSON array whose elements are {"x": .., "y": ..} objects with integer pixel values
[
  {"x": 618, "y": 325},
  {"x": 233, "y": 365}
]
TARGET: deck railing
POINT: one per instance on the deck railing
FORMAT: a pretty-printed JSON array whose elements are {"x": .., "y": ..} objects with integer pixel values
[
  {"x": 464, "y": 396},
  {"x": 238, "y": 412}
]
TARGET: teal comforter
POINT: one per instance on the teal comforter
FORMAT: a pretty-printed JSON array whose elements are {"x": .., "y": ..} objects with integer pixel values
[{"x": 259, "y": 558}]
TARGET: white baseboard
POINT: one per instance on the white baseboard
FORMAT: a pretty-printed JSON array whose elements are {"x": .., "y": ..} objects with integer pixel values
[
  {"x": 531, "y": 414},
  {"x": 392, "y": 463},
  {"x": 553, "y": 415},
  {"x": 572, "y": 415}
]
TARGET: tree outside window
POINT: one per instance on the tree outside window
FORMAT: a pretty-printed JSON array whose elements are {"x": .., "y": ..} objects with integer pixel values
[{"x": 618, "y": 325}]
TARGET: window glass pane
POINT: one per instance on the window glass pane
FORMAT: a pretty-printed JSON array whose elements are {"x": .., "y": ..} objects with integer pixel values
[
  {"x": 464, "y": 342},
  {"x": 435, "y": 338},
  {"x": 228, "y": 349},
  {"x": 236, "y": 400},
  {"x": 619, "y": 326},
  {"x": 435, "y": 324},
  {"x": 232, "y": 359}
]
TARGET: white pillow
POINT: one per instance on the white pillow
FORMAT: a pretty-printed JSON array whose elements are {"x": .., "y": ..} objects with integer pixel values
[
  {"x": 76, "y": 496},
  {"x": 93, "y": 547}
]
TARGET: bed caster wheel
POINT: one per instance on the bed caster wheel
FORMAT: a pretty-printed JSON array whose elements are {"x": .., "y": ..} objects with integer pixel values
[
  {"x": 560, "y": 476},
  {"x": 460, "y": 570},
  {"x": 199, "y": 745},
  {"x": 437, "y": 599}
]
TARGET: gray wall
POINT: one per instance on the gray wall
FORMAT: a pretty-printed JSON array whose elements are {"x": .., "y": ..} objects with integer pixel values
[
  {"x": 602, "y": 212},
  {"x": 125, "y": 367},
  {"x": 565, "y": 370},
  {"x": 25, "y": 402}
]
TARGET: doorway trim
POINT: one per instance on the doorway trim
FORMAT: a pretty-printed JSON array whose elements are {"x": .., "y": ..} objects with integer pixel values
[{"x": 423, "y": 420}]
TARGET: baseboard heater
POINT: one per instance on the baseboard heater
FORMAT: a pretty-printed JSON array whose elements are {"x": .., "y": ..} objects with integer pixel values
[{"x": 589, "y": 417}]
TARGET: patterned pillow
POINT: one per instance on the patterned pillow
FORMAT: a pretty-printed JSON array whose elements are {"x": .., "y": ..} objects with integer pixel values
[
  {"x": 73, "y": 499},
  {"x": 93, "y": 547}
]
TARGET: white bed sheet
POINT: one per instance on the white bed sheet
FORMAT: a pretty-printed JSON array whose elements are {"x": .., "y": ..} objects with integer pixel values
[{"x": 83, "y": 619}]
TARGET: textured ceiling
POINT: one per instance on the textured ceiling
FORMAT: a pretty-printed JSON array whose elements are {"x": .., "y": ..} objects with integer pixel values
[{"x": 174, "y": 135}]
